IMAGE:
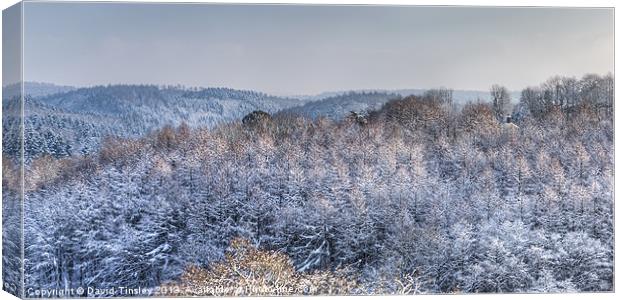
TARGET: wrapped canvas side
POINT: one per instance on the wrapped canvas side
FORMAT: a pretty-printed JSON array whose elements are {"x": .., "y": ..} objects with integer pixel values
[{"x": 12, "y": 151}]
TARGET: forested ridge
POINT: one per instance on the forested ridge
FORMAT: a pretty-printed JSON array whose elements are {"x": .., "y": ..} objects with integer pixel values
[
  {"x": 74, "y": 122},
  {"x": 415, "y": 197},
  {"x": 64, "y": 121}
]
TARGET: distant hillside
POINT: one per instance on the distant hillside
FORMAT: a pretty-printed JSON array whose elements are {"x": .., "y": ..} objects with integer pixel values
[
  {"x": 460, "y": 96},
  {"x": 34, "y": 89},
  {"x": 63, "y": 120},
  {"x": 145, "y": 107},
  {"x": 336, "y": 107},
  {"x": 75, "y": 121}
]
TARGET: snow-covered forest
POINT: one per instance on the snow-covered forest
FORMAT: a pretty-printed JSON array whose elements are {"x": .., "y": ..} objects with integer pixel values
[
  {"x": 414, "y": 197},
  {"x": 75, "y": 121},
  {"x": 63, "y": 121}
]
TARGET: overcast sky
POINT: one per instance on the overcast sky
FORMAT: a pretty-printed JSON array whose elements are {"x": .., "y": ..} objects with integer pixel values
[{"x": 311, "y": 49}]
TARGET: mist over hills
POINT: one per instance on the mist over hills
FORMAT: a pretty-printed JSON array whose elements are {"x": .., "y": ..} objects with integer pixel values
[
  {"x": 65, "y": 120},
  {"x": 34, "y": 89},
  {"x": 336, "y": 107},
  {"x": 75, "y": 121},
  {"x": 460, "y": 96}
]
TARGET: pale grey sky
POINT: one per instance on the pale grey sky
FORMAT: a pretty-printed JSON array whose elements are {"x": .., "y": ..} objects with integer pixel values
[{"x": 310, "y": 49}]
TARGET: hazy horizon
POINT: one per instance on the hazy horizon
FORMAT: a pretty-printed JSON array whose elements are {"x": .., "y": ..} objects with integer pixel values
[
  {"x": 312, "y": 49},
  {"x": 322, "y": 93}
]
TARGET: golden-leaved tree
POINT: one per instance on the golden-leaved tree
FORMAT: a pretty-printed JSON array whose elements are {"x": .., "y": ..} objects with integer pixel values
[{"x": 248, "y": 271}]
